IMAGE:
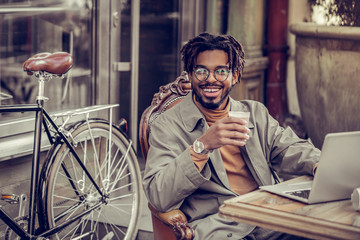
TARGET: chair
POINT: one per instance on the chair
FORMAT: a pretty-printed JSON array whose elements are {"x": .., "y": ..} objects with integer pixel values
[{"x": 173, "y": 224}]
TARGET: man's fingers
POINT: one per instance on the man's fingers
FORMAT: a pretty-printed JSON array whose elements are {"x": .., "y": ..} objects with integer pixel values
[
  {"x": 238, "y": 135},
  {"x": 236, "y": 142},
  {"x": 235, "y": 120}
]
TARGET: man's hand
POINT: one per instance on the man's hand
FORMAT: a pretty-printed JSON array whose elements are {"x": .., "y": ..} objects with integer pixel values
[{"x": 227, "y": 131}]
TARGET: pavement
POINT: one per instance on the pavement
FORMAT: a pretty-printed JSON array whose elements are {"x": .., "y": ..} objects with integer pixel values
[{"x": 145, "y": 227}]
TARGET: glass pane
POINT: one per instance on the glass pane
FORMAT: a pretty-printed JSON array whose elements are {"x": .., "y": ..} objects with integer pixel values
[
  {"x": 159, "y": 47},
  {"x": 30, "y": 27}
]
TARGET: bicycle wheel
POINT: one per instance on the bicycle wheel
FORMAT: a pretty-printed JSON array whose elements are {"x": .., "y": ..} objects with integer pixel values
[{"x": 112, "y": 163}]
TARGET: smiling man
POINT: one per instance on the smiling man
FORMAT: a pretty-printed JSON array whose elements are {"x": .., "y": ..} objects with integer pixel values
[
  {"x": 212, "y": 92},
  {"x": 199, "y": 156}
]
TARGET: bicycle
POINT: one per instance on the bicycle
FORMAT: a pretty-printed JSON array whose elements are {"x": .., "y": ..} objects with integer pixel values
[{"x": 90, "y": 182}]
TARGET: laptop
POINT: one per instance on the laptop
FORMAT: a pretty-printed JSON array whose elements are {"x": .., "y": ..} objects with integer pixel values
[{"x": 337, "y": 174}]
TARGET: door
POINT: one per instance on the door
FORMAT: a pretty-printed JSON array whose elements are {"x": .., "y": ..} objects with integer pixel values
[{"x": 117, "y": 61}]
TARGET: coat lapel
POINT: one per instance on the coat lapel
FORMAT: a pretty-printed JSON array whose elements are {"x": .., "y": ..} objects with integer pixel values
[
  {"x": 216, "y": 161},
  {"x": 196, "y": 124}
]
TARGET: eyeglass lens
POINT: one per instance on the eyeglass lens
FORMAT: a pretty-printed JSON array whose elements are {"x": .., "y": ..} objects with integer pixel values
[{"x": 220, "y": 74}]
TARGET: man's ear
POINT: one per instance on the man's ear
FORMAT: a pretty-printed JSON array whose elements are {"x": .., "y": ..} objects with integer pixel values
[{"x": 235, "y": 77}]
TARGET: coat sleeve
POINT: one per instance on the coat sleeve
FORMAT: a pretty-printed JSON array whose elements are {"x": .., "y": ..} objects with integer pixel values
[
  {"x": 289, "y": 154},
  {"x": 170, "y": 174}
]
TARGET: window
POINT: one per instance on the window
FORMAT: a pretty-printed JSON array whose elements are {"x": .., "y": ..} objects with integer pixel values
[{"x": 30, "y": 27}]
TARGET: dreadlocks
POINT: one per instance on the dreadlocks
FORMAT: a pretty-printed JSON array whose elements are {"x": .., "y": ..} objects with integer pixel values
[{"x": 207, "y": 41}]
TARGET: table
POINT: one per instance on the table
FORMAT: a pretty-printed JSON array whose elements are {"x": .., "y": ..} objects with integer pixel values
[{"x": 332, "y": 220}]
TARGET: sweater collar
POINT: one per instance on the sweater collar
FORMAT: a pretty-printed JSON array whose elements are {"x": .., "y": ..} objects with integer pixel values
[
  {"x": 213, "y": 115},
  {"x": 192, "y": 115}
]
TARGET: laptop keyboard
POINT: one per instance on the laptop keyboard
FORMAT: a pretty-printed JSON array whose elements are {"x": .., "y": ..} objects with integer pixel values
[{"x": 301, "y": 193}]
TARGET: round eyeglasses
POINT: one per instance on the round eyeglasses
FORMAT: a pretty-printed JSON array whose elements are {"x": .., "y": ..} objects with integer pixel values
[{"x": 220, "y": 74}]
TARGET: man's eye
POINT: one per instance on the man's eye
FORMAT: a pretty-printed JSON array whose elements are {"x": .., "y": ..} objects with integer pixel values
[
  {"x": 222, "y": 71},
  {"x": 201, "y": 71}
]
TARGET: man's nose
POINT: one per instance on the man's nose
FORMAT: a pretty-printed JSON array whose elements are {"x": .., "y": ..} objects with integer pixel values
[{"x": 211, "y": 77}]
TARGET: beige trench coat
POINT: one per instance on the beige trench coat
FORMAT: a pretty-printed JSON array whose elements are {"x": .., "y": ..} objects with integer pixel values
[{"x": 172, "y": 181}]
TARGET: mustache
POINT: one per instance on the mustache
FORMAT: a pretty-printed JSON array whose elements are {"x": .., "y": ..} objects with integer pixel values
[{"x": 210, "y": 85}]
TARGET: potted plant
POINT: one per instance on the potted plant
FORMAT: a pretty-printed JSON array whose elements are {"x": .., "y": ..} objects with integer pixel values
[
  {"x": 338, "y": 12},
  {"x": 328, "y": 70}
]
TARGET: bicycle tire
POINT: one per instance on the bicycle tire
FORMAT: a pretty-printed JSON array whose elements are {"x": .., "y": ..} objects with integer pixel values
[{"x": 119, "y": 178}]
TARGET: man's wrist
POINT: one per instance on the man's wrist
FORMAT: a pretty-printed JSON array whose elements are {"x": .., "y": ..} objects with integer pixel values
[{"x": 199, "y": 147}]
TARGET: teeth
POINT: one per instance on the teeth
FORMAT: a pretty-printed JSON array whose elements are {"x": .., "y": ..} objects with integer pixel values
[{"x": 211, "y": 90}]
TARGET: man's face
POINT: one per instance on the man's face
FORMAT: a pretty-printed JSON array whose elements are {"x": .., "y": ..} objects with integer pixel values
[{"x": 211, "y": 93}]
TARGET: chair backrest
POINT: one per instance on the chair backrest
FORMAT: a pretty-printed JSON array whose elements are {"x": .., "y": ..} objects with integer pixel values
[{"x": 168, "y": 96}]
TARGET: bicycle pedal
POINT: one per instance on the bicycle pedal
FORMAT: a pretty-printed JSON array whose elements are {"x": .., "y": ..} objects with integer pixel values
[{"x": 10, "y": 198}]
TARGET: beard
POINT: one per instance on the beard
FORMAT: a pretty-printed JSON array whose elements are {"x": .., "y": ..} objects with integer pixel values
[{"x": 210, "y": 104}]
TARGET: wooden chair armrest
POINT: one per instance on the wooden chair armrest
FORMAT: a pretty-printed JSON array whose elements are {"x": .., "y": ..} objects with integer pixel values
[{"x": 177, "y": 221}]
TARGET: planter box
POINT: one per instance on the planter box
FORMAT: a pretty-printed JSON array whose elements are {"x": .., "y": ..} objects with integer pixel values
[{"x": 327, "y": 65}]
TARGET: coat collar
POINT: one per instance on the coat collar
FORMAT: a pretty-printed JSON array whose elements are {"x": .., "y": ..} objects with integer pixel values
[{"x": 192, "y": 115}]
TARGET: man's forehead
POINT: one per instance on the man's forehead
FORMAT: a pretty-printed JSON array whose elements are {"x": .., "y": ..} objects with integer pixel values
[
  {"x": 214, "y": 67},
  {"x": 211, "y": 57}
]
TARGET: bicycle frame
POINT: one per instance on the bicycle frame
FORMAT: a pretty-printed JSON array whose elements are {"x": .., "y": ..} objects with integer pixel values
[{"x": 41, "y": 120}]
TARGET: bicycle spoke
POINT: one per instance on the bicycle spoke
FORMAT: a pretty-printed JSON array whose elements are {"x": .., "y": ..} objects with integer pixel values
[
  {"x": 94, "y": 147},
  {"x": 72, "y": 162},
  {"x": 114, "y": 226},
  {"x": 113, "y": 167},
  {"x": 120, "y": 209},
  {"x": 122, "y": 187}
]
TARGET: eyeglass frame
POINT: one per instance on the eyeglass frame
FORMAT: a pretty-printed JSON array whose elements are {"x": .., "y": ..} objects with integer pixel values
[{"x": 213, "y": 71}]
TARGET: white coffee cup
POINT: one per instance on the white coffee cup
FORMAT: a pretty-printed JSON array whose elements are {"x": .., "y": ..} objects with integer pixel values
[
  {"x": 355, "y": 199},
  {"x": 240, "y": 114}
]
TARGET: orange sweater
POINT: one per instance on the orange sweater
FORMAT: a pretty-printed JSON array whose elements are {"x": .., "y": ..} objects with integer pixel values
[{"x": 240, "y": 179}]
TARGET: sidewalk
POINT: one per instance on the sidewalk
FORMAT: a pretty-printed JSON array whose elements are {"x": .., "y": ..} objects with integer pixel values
[{"x": 145, "y": 228}]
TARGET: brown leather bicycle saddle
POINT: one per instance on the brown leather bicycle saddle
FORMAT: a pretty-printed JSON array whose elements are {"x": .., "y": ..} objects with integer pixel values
[{"x": 55, "y": 63}]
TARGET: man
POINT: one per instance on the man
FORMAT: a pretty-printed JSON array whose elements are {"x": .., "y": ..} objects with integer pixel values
[{"x": 199, "y": 156}]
